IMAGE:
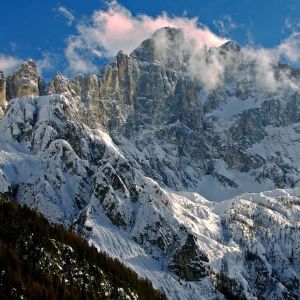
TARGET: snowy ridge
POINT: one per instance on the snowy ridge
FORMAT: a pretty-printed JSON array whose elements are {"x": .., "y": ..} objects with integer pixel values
[{"x": 132, "y": 217}]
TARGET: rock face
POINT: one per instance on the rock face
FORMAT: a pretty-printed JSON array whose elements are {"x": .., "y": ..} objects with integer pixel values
[
  {"x": 25, "y": 82},
  {"x": 188, "y": 262},
  {"x": 184, "y": 135},
  {"x": 124, "y": 157},
  {"x": 3, "y": 101},
  {"x": 2, "y": 87}
]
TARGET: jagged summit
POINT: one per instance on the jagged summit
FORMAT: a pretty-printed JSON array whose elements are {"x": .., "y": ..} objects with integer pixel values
[
  {"x": 170, "y": 33},
  {"x": 231, "y": 46},
  {"x": 25, "y": 81},
  {"x": 30, "y": 62},
  {"x": 167, "y": 45},
  {"x": 28, "y": 68}
]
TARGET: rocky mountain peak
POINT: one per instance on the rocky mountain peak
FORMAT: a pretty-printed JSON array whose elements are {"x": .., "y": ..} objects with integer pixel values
[
  {"x": 231, "y": 46},
  {"x": 30, "y": 63},
  {"x": 167, "y": 45},
  {"x": 172, "y": 34},
  {"x": 25, "y": 81}
]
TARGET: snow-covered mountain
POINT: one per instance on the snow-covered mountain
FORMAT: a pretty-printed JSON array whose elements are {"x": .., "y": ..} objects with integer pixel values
[{"x": 164, "y": 160}]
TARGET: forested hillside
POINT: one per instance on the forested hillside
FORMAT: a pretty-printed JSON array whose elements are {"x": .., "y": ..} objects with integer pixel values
[{"x": 39, "y": 260}]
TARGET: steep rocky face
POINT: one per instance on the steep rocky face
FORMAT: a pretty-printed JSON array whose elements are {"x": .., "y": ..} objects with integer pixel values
[
  {"x": 208, "y": 136},
  {"x": 185, "y": 135},
  {"x": 2, "y": 87},
  {"x": 3, "y": 101},
  {"x": 25, "y": 81},
  {"x": 135, "y": 94},
  {"x": 188, "y": 262},
  {"x": 117, "y": 94},
  {"x": 167, "y": 45}
]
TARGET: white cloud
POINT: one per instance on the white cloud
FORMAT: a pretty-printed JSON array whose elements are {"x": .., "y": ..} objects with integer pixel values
[
  {"x": 264, "y": 60},
  {"x": 207, "y": 67},
  {"x": 288, "y": 24},
  {"x": 8, "y": 64},
  {"x": 48, "y": 62},
  {"x": 67, "y": 14},
  {"x": 291, "y": 25},
  {"x": 290, "y": 48},
  {"x": 225, "y": 25},
  {"x": 80, "y": 55},
  {"x": 115, "y": 29},
  {"x": 260, "y": 63}
]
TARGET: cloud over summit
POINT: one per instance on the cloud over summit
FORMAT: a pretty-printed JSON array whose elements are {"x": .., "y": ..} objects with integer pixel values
[
  {"x": 8, "y": 64},
  {"x": 116, "y": 29}
]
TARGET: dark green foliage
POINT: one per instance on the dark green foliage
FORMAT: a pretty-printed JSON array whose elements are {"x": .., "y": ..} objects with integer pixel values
[{"x": 36, "y": 262}]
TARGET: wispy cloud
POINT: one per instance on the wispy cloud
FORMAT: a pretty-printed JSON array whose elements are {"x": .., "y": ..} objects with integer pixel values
[
  {"x": 48, "y": 62},
  {"x": 209, "y": 67},
  {"x": 67, "y": 14},
  {"x": 117, "y": 29},
  {"x": 8, "y": 64},
  {"x": 114, "y": 29},
  {"x": 225, "y": 25},
  {"x": 290, "y": 48}
]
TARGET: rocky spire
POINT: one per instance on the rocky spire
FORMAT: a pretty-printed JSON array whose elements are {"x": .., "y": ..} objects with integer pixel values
[
  {"x": 167, "y": 45},
  {"x": 3, "y": 101},
  {"x": 231, "y": 46},
  {"x": 2, "y": 87},
  {"x": 25, "y": 81}
]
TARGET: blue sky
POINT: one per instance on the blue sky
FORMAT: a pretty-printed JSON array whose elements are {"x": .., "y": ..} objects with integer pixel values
[{"x": 42, "y": 29}]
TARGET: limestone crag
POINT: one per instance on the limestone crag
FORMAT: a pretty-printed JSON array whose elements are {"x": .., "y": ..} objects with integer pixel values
[
  {"x": 25, "y": 81},
  {"x": 185, "y": 135},
  {"x": 3, "y": 101}
]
